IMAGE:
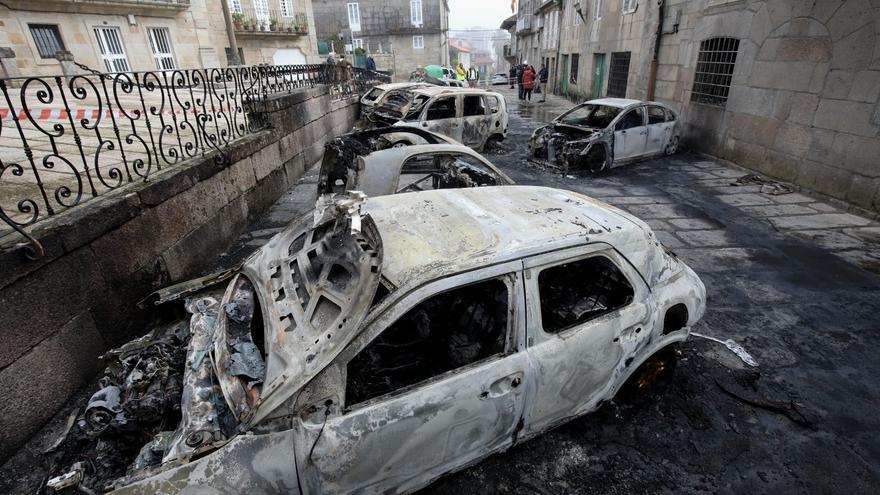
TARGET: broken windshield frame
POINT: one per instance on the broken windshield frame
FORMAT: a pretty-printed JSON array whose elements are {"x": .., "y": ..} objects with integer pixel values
[{"x": 589, "y": 115}]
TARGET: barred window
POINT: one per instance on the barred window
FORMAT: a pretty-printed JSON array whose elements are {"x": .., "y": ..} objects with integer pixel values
[
  {"x": 47, "y": 38},
  {"x": 714, "y": 72}
]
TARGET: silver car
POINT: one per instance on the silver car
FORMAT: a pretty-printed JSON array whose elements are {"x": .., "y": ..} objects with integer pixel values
[
  {"x": 374, "y": 346},
  {"x": 600, "y": 134}
]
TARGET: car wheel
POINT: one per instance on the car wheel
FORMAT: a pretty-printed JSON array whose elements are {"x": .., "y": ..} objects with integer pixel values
[
  {"x": 400, "y": 144},
  {"x": 672, "y": 147},
  {"x": 651, "y": 379},
  {"x": 596, "y": 159}
]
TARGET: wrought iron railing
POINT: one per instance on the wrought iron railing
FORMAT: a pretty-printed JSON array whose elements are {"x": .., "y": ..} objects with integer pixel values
[{"x": 67, "y": 139}]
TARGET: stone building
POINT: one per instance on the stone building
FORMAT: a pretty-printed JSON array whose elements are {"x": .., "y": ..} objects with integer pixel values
[
  {"x": 140, "y": 35},
  {"x": 399, "y": 34},
  {"x": 786, "y": 87}
]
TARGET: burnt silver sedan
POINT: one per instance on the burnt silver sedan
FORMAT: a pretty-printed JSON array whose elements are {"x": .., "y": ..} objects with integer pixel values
[{"x": 604, "y": 133}]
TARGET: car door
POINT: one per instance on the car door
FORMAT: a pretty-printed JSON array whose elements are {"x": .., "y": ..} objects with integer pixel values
[
  {"x": 432, "y": 384},
  {"x": 584, "y": 308},
  {"x": 443, "y": 117},
  {"x": 659, "y": 130},
  {"x": 630, "y": 134},
  {"x": 476, "y": 121}
]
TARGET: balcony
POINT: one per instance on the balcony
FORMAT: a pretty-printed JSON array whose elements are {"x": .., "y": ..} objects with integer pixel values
[
  {"x": 269, "y": 22},
  {"x": 524, "y": 23},
  {"x": 99, "y": 6}
]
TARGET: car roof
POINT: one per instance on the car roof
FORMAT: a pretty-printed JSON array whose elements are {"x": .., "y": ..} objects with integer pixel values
[
  {"x": 400, "y": 85},
  {"x": 429, "y": 234},
  {"x": 439, "y": 90},
  {"x": 614, "y": 102}
]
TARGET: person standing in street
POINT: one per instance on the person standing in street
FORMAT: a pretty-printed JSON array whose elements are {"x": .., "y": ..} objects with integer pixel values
[
  {"x": 460, "y": 73},
  {"x": 472, "y": 76},
  {"x": 520, "y": 69},
  {"x": 543, "y": 75},
  {"x": 528, "y": 82},
  {"x": 371, "y": 64},
  {"x": 511, "y": 75}
]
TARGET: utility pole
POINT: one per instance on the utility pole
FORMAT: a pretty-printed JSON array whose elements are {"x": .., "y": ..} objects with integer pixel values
[{"x": 230, "y": 32}]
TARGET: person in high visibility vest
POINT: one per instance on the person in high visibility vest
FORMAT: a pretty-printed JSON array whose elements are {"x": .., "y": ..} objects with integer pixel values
[
  {"x": 460, "y": 73},
  {"x": 472, "y": 76}
]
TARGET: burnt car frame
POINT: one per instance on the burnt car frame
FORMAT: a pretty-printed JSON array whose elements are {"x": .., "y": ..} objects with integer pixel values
[
  {"x": 600, "y": 134},
  {"x": 415, "y": 334},
  {"x": 366, "y": 161},
  {"x": 473, "y": 117}
]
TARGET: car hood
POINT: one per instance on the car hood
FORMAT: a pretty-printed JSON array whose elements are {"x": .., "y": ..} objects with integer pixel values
[{"x": 315, "y": 282}]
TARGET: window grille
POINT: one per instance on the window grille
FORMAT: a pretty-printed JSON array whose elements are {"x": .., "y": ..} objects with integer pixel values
[
  {"x": 619, "y": 75},
  {"x": 286, "y": 8},
  {"x": 628, "y": 6},
  {"x": 714, "y": 72},
  {"x": 160, "y": 43},
  {"x": 47, "y": 38},
  {"x": 112, "y": 51},
  {"x": 235, "y": 6}
]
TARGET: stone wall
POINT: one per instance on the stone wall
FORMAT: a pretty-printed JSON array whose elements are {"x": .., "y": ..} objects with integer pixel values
[{"x": 65, "y": 309}]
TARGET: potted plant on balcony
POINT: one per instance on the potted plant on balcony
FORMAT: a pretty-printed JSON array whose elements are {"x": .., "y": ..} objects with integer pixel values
[
  {"x": 273, "y": 24},
  {"x": 238, "y": 21},
  {"x": 302, "y": 24}
]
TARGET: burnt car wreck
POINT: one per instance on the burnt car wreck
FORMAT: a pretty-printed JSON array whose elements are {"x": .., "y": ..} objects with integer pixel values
[
  {"x": 366, "y": 161},
  {"x": 601, "y": 134},
  {"x": 369, "y": 347}
]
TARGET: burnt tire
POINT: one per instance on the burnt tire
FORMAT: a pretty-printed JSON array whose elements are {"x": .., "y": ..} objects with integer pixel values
[
  {"x": 596, "y": 159},
  {"x": 651, "y": 379}
]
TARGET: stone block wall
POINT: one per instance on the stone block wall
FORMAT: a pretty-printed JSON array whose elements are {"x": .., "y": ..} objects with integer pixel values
[{"x": 62, "y": 311}]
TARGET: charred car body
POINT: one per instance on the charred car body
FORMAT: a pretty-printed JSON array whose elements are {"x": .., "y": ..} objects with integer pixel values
[
  {"x": 366, "y": 161},
  {"x": 376, "y": 95},
  {"x": 370, "y": 347},
  {"x": 605, "y": 133},
  {"x": 473, "y": 117}
]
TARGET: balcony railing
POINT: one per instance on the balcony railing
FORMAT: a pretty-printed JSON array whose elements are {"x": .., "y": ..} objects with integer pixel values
[
  {"x": 273, "y": 22},
  {"x": 67, "y": 139}
]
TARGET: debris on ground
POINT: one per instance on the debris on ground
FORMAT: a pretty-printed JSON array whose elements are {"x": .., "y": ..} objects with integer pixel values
[
  {"x": 733, "y": 346},
  {"x": 768, "y": 186},
  {"x": 789, "y": 408}
]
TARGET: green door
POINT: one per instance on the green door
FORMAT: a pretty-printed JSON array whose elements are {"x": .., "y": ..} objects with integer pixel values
[
  {"x": 598, "y": 74},
  {"x": 564, "y": 87}
]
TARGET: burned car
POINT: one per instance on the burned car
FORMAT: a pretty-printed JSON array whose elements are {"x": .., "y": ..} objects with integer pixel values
[
  {"x": 376, "y": 95},
  {"x": 473, "y": 117},
  {"x": 366, "y": 161},
  {"x": 375, "y": 345},
  {"x": 605, "y": 133}
]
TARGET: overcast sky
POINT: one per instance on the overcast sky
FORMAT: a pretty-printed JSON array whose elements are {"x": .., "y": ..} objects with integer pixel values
[{"x": 465, "y": 14}]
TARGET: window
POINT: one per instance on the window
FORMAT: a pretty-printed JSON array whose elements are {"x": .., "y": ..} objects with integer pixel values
[
  {"x": 415, "y": 12},
  {"x": 444, "y": 108},
  {"x": 112, "y": 51},
  {"x": 579, "y": 291},
  {"x": 575, "y": 61},
  {"x": 286, "y": 8},
  {"x": 47, "y": 38},
  {"x": 443, "y": 333},
  {"x": 354, "y": 17},
  {"x": 628, "y": 6},
  {"x": 715, "y": 63},
  {"x": 235, "y": 6},
  {"x": 357, "y": 43},
  {"x": 590, "y": 115},
  {"x": 494, "y": 102},
  {"x": 474, "y": 105},
  {"x": 160, "y": 43},
  {"x": 619, "y": 74},
  {"x": 656, "y": 115},
  {"x": 444, "y": 171},
  {"x": 229, "y": 60},
  {"x": 418, "y": 42},
  {"x": 633, "y": 118},
  {"x": 261, "y": 11},
  {"x": 597, "y": 9}
]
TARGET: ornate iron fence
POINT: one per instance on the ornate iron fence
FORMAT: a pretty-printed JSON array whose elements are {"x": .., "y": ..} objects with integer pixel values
[{"x": 66, "y": 139}]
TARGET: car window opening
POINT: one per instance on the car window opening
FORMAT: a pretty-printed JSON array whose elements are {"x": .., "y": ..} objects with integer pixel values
[
  {"x": 595, "y": 116},
  {"x": 576, "y": 292},
  {"x": 443, "y": 333},
  {"x": 444, "y": 171}
]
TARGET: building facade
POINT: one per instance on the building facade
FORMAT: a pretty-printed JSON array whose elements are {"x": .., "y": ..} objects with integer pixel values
[
  {"x": 789, "y": 88},
  {"x": 400, "y": 35},
  {"x": 141, "y": 35}
]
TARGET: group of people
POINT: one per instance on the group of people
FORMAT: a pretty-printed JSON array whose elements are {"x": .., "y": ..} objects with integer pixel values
[
  {"x": 528, "y": 80},
  {"x": 471, "y": 75}
]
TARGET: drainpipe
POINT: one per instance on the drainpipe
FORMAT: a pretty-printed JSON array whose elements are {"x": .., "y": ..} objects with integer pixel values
[
  {"x": 230, "y": 32},
  {"x": 652, "y": 78}
]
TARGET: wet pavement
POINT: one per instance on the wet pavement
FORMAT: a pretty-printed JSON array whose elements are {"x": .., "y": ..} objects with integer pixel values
[{"x": 792, "y": 278}]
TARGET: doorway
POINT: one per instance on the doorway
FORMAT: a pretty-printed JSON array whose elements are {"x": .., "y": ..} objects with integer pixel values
[
  {"x": 564, "y": 86},
  {"x": 598, "y": 74}
]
